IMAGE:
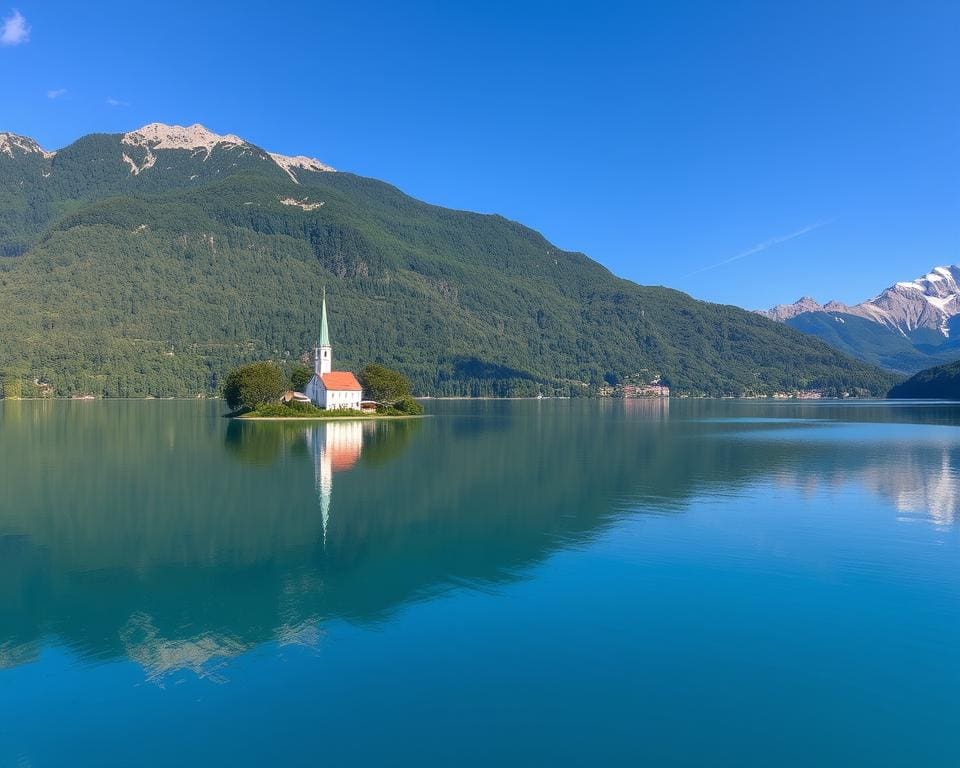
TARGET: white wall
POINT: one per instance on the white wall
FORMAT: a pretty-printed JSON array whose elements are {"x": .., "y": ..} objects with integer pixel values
[{"x": 324, "y": 399}]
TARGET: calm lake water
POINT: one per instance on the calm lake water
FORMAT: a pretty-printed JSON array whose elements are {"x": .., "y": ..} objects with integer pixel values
[{"x": 690, "y": 583}]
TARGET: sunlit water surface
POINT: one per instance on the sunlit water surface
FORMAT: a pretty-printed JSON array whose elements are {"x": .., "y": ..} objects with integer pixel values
[{"x": 688, "y": 583}]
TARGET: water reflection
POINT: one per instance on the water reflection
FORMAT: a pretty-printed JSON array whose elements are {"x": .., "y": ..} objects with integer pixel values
[
  {"x": 335, "y": 447},
  {"x": 935, "y": 494},
  {"x": 914, "y": 468},
  {"x": 159, "y": 533},
  {"x": 922, "y": 483}
]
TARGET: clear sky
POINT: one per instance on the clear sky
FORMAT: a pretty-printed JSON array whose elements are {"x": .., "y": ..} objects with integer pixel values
[{"x": 744, "y": 152}]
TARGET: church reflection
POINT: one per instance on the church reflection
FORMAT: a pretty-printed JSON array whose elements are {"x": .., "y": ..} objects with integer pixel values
[{"x": 335, "y": 447}]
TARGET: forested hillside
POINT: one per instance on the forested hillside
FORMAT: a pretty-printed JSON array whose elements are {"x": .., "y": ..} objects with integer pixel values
[
  {"x": 135, "y": 277},
  {"x": 939, "y": 383}
]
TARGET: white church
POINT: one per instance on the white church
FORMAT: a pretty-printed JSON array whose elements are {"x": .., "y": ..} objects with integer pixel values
[{"x": 328, "y": 388}]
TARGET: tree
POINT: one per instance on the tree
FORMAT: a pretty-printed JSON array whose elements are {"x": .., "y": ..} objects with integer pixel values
[
  {"x": 384, "y": 384},
  {"x": 408, "y": 405},
  {"x": 299, "y": 377},
  {"x": 252, "y": 385}
]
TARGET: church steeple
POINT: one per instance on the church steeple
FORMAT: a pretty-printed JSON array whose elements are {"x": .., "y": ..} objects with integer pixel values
[
  {"x": 322, "y": 353},
  {"x": 324, "y": 333}
]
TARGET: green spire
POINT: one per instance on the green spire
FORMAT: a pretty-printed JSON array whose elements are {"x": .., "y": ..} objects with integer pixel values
[{"x": 324, "y": 333}]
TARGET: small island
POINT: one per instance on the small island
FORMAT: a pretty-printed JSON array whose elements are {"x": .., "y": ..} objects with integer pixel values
[{"x": 263, "y": 391}]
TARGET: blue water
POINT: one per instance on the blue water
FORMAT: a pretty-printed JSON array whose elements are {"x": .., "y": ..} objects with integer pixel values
[{"x": 514, "y": 583}]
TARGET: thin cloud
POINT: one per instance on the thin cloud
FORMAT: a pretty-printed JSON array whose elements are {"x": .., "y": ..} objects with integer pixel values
[
  {"x": 15, "y": 30},
  {"x": 760, "y": 247},
  {"x": 56, "y": 93},
  {"x": 118, "y": 103}
]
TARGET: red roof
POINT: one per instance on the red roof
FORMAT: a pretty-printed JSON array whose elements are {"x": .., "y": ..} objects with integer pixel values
[
  {"x": 344, "y": 457},
  {"x": 340, "y": 381}
]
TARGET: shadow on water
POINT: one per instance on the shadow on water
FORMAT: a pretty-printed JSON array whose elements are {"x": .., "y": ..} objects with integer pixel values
[{"x": 160, "y": 533}]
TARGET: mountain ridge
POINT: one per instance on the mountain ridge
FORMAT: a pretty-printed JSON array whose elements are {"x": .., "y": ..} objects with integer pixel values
[
  {"x": 926, "y": 302},
  {"x": 153, "y": 276}
]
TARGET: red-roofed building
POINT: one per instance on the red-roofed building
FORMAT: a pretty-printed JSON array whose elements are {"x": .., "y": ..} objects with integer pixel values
[
  {"x": 328, "y": 388},
  {"x": 341, "y": 380}
]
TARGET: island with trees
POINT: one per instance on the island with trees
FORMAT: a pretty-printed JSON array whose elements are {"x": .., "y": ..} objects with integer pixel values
[{"x": 267, "y": 390}]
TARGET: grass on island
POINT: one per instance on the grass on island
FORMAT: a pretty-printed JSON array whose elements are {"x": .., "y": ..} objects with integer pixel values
[{"x": 295, "y": 410}]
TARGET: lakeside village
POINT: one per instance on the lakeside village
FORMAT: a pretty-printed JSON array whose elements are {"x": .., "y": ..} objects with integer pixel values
[{"x": 635, "y": 388}]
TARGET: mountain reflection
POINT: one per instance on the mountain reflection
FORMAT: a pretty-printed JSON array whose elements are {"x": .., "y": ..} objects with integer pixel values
[
  {"x": 920, "y": 480},
  {"x": 158, "y": 533}
]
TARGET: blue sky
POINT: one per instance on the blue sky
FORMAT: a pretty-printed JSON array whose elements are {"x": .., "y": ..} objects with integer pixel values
[{"x": 744, "y": 152}]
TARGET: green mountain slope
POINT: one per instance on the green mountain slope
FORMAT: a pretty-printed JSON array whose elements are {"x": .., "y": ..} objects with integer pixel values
[
  {"x": 941, "y": 383},
  {"x": 155, "y": 282},
  {"x": 873, "y": 342}
]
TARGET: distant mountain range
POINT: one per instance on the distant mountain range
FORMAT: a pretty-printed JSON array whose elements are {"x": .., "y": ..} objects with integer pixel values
[
  {"x": 910, "y": 326},
  {"x": 149, "y": 263}
]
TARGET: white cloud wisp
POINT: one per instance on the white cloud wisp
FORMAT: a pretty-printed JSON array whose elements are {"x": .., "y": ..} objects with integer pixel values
[
  {"x": 763, "y": 246},
  {"x": 14, "y": 30}
]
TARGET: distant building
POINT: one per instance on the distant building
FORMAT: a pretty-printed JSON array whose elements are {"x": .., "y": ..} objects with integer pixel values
[
  {"x": 328, "y": 388},
  {"x": 646, "y": 390}
]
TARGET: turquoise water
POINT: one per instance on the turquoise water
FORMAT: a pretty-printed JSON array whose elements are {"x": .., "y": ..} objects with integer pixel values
[{"x": 688, "y": 583}]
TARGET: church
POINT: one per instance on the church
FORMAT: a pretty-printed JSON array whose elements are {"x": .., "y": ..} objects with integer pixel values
[{"x": 328, "y": 388}]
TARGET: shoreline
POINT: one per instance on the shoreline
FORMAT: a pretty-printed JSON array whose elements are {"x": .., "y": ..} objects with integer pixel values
[{"x": 351, "y": 417}]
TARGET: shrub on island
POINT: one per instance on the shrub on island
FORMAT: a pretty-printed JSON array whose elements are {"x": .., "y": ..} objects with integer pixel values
[
  {"x": 391, "y": 389},
  {"x": 289, "y": 410}
]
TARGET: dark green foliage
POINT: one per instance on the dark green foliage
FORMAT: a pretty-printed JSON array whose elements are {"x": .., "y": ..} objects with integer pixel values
[
  {"x": 251, "y": 386},
  {"x": 305, "y": 409},
  {"x": 409, "y": 406},
  {"x": 940, "y": 383},
  {"x": 300, "y": 376},
  {"x": 384, "y": 384},
  {"x": 289, "y": 410},
  {"x": 156, "y": 284}
]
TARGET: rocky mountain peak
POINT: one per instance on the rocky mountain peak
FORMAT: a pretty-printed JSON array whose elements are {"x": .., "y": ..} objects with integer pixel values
[
  {"x": 198, "y": 138},
  {"x": 193, "y": 137},
  {"x": 784, "y": 312},
  {"x": 12, "y": 144}
]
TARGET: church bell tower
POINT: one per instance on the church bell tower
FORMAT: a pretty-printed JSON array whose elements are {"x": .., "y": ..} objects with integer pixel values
[{"x": 322, "y": 353}]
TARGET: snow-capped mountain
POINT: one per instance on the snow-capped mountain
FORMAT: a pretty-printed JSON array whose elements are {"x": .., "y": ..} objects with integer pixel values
[
  {"x": 929, "y": 302},
  {"x": 910, "y": 326}
]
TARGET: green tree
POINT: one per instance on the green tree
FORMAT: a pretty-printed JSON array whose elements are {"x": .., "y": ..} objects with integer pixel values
[
  {"x": 408, "y": 405},
  {"x": 11, "y": 384},
  {"x": 299, "y": 377},
  {"x": 384, "y": 384},
  {"x": 253, "y": 385}
]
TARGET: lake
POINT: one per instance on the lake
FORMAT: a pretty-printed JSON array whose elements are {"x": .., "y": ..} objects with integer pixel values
[{"x": 682, "y": 583}]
